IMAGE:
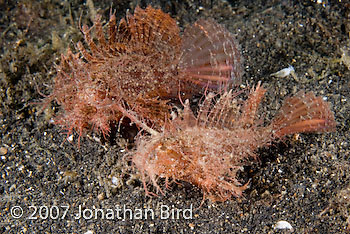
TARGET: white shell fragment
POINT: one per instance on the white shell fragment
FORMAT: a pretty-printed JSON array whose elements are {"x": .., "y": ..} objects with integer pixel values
[
  {"x": 285, "y": 72},
  {"x": 70, "y": 138},
  {"x": 283, "y": 225},
  {"x": 115, "y": 181}
]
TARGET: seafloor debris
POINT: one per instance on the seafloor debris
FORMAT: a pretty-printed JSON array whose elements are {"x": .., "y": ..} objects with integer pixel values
[
  {"x": 285, "y": 72},
  {"x": 345, "y": 56}
]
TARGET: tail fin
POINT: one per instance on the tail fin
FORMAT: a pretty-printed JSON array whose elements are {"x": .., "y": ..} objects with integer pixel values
[{"x": 303, "y": 112}]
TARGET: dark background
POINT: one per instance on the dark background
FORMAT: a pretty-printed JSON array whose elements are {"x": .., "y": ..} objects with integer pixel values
[{"x": 303, "y": 180}]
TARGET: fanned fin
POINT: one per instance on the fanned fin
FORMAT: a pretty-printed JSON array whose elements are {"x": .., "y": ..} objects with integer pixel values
[
  {"x": 155, "y": 30},
  {"x": 211, "y": 55},
  {"x": 303, "y": 112}
]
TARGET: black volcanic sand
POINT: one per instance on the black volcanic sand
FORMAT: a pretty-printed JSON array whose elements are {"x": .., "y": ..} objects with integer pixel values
[{"x": 303, "y": 180}]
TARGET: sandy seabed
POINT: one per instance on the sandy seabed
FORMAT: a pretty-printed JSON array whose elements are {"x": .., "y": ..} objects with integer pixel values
[{"x": 303, "y": 180}]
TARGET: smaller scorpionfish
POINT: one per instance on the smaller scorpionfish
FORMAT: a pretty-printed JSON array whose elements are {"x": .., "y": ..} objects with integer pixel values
[{"x": 209, "y": 149}]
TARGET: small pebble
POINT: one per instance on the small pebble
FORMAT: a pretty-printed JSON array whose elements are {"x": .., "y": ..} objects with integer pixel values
[
  {"x": 3, "y": 150},
  {"x": 13, "y": 187},
  {"x": 101, "y": 196}
]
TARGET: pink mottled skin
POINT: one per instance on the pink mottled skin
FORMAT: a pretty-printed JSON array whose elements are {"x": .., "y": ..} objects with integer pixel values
[
  {"x": 140, "y": 67},
  {"x": 209, "y": 149}
]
